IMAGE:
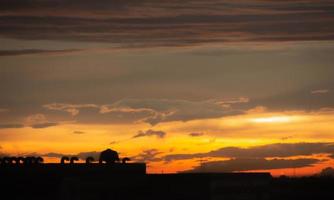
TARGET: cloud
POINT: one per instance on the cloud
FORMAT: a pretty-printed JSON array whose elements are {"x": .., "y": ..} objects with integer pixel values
[
  {"x": 150, "y": 132},
  {"x": 39, "y": 121},
  {"x": 264, "y": 151},
  {"x": 322, "y": 91},
  {"x": 196, "y": 134},
  {"x": 299, "y": 99},
  {"x": 114, "y": 142},
  {"x": 35, "y": 51},
  {"x": 55, "y": 155},
  {"x": 113, "y": 108},
  {"x": 5, "y": 126},
  {"x": 149, "y": 155},
  {"x": 36, "y": 126},
  {"x": 152, "y": 111},
  {"x": 72, "y": 109},
  {"x": 228, "y": 103},
  {"x": 84, "y": 155},
  {"x": 245, "y": 164},
  {"x": 81, "y": 155},
  {"x": 163, "y": 110},
  {"x": 151, "y": 23},
  {"x": 36, "y": 118},
  {"x": 78, "y": 132},
  {"x": 44, "y": 125}
]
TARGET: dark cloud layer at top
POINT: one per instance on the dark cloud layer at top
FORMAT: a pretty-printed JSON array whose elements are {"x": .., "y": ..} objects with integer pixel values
[{"x": 152, "y": 23}]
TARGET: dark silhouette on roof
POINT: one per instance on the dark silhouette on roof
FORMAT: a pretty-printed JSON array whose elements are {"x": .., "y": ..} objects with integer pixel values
[
  {"x": 39, "y": 160},
  {"x": 8, "y": 160},
  {"x": 73, "y": 159},
  {"x": 89, "y": 160},
  {"x": 124, "y": 160},
  {"x": 108, "y": 156},
  {"x": 63, "y": 159}
]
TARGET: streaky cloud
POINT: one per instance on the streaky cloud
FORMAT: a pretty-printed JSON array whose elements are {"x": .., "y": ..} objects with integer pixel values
[
  {"x": 245, "y": 164},
  {"x": 36, "y": 51},
  {"x": 150, "y": 132},
  {"x": 7, "y": 126},
  {"x": 264, "y": 151},
  {"x": 44, "y": 125}
]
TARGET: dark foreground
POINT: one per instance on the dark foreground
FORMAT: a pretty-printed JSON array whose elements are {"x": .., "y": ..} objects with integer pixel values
[{"x": 48, "y": 182}]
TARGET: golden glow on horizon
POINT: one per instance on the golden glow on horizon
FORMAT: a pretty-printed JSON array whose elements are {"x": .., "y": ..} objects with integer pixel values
[
  {"x": 273, "y": 119},
  {"x": 249, "y": 130}
]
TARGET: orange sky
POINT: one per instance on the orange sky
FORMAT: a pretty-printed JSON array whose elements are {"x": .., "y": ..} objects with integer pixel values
[{"x": 255, "y": 128}]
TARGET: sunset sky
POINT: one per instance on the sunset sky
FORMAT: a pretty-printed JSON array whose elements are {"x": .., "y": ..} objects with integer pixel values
[{"x": 183, "y": 85}]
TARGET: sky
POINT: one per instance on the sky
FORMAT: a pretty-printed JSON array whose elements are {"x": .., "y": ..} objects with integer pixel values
[{"x": 183, "y": 85}]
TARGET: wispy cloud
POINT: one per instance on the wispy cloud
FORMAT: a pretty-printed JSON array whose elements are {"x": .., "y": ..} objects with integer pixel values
[
  {"x": 150, "y": 132},
  {"x": 152, "y": 111},
  {"x": 72, "y": 109},
  {"x": 196, "y": 134},
  {"x": 44, "y": 125},
  {"x": 270, "y": 150},
  {"x": 149, "y": 155},
  {"x": 81, "y": 155},
  {"x": 36, "y": 51},
  {"x": 6, "y": 126},
  {"x": 163, "y": 110},
  {"x": 252, "y": 164},
  {"x": 321, "y": 91},
  {"x": 78, "y": 132},
  {"x": 36, "y": 126}
]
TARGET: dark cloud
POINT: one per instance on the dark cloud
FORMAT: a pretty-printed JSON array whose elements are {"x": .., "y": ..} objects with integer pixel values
[
  {"x": 55, "y": 155},
  {"x": 319, "y": 91},
  {"x": 4, "y": 126},
  {"x": 150, "y": 132},
  {"x": 35, "y": 51},
  {"x": 72, "y": 109},
  {"x": 301, "y": 99},
  {"x": 81, "y": 155},
  {"x": 270, "y": 150},
  {"x": 35, "y": 125},
  {"x": 151, "y": 23},
  {"x": 195, "y": 134},
  {"x": 244, "y": 164},
  {"x": 84, "y": 155},
  {"x": 44, "y": 125},
  {"x": 149, "y": 155},
  {"x": 78, "y": 132}
]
